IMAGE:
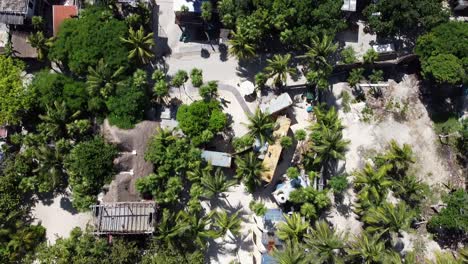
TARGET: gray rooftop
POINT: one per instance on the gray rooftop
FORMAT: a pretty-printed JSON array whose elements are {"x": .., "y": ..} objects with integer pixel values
[
  {"x": 124, "y": 218},
  {"x": 13, "y": 6},
  {"x": 219, "y": 159}
]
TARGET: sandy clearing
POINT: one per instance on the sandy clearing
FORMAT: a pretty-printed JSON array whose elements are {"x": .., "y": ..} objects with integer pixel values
[{"x": 59, "y": 218}]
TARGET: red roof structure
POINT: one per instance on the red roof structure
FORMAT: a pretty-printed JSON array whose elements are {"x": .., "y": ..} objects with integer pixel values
[{"x": 60, "y": 13}]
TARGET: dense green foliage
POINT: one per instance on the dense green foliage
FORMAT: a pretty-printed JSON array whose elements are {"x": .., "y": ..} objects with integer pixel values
[
  {"x": 407, "y": 18},
  {"x": 83, "y": 247},
  {"x": 201, "y": 116},
  {"x": 444, "y": 53},
  {"x": 15, "y": 99},
  {"x": 89, "y": 165},
  {"x": 293, "y": 22},
  {"x": 82, "y": 42},
  {"x": 452, "y": 220}
]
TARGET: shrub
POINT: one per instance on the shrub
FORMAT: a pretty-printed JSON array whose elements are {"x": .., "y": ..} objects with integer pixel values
[
  {"x": 370, "y": 56},
  {"x": 286, "y": 142},
  {"x": 300, "y": 135},
  {"x": 348, "y": 55},
  {"x": 345, "y": 101},
  {"x": 258, "y": 208},
  {"x": 376, "y": 76},
  {"x": 197, "y": 77},
  {"x": 261, "y": 79},
  {"x": 355, "y": 76},
  {"x": 293, "y": 173},
  {"x": 339, "y": 183},
  {"x": 242, "y": 143}
]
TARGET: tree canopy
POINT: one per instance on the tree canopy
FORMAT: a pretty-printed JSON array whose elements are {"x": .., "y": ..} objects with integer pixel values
[
  {"x": 15, "y": 99},
  {"x": 95, "y": 35},
  {"x": 444, "y": 53},
  {"x": 89, "y": 165}
]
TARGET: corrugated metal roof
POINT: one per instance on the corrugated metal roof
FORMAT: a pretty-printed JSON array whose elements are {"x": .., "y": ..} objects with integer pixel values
[
  {"x": 219, "y": 159},
  {"x": 279, "y": 103}
]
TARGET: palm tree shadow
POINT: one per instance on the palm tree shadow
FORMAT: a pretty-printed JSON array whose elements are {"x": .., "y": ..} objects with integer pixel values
[{"x": 248, "y": 69}]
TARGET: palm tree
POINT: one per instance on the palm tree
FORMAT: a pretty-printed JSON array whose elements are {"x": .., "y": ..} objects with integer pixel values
[
  {"x": 40, "y": 43},
  {"x": 463, "y": 254},
  {"x": 199, "y": 227},
  {"x": 50, "y": 166},
  {"x": 366, "y": 249},
  {"x": 278, "y": 68},
  {"x": 249, "y": 169},
  {"x": 240, "y": 46},
  {"x": 56, "y": 119},
  {"x": 216, "y": 184},
  {"x": 445, "y": 258},
  {"x": 372, "y": 184},
  {"x": 197, "y": 173},
  {"x": 179, "y": 80},
  {"x": 168, "y": 230},
  {"x": 293, "y": 253},
  {"x": 102, "y": 80},
  {"x": 261, "y": 126},
  {"x": 326, "y": 243},
  {"x": 209, "y": 90},
  {"x": 410, "y": 189},
  {"x": 388, "y": 218},
  {"x": 326, "y": 118},
  {"x": 226, "y": 223},
  {"x": 318, "y": 54},
  {"x": 329, "y": 145},
  {"x": 293, "y": 229},
  {"x": 399, "y": 157},
  {"x": 141, "y": 45}
]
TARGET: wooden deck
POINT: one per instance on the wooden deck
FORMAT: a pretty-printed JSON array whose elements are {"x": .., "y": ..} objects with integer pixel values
[{"x": 274, "y": 151}]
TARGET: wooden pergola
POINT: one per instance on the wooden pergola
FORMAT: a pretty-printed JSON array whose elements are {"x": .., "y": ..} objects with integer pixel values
[{"x": 124, "y": 218}]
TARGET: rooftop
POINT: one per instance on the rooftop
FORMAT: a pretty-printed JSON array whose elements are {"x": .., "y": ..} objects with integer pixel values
[
  {"x": 219, "y": 159},
  {"x": 124, "y": 218},
  {"x": 279, "y": 103},
  {"x": 192, "y": 5},
  {"x": 60, "y": 13},
  {"x": 349, "y": 5},
  {"x": 274, "y": 151},
  {"x": 13, "y": 11}
]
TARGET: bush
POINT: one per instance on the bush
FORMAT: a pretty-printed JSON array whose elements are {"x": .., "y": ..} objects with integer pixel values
[
  {"x": 300, "y": 135},
  {"x": 355, "y": 76},
  {"x": 261, "y": 79},
  {"x": 444, "y": 68},
  {"x": 370, "y": 56},
  {"x": 242, "y": 143},
  {"x": 258, "y": 208},
  {"x": 292, "y": 172},
  {"x": 345, "y": 101},
  {"x": 348, "y": 55},
  {"x": 197, "y": 77},
  {"x": 286, "y": 142},
  {"x": 376, "y": 76},
  {"x": 339, "y": 183}
]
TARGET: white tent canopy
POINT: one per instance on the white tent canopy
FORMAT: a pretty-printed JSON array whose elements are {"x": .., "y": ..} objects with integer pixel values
[{"x": 246, "y": 88}]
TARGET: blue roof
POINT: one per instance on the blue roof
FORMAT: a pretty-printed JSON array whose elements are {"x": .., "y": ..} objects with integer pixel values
[{"x": 268, "y": 259}]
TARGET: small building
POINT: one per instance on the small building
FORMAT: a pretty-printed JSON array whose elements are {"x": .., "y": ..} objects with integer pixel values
[
  {"x": 278, "y": 104},
  {"x": 15, "y": 12},
  {"x": 60, "y": 13},
  {"x": 124, "y": 218},
  {"x": 273, "y": 153},
  {"x": 265, "y": 237},
  {"x": 349, "y": 5},
  {"x": 218, "y": 159}
]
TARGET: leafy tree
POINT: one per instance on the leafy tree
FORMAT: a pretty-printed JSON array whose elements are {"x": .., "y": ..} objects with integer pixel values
[
  {"x": 197, "y": 77},
  {"x": 348, "y": 55},
  {"x": 309, "y": 195},
  {"x": 293, "y": 228},
  {"x": 300, "y": 135},
  {"x": 180, "y": 78},
  {"x": 200, "y": 116},
  {"x": 249, "y": 170},
  {"x": 161, "y": 90},
  {"x": 391, "y": 18},
  {"x": 242, "y": 143},
  {"x": 206, "y": 11},
  {"x": 216, "y": 184},
  {"x": 261, "y": 126},
  {"x": 366, "y": 249},
  {"x": 140, "y": 44},
  {"x": 292, "y": 253},
  {"x": 278, "y": 68},
  {"x": 37, "y": 22},
  {"x": 444, "y": 68},
  {"x": 161, "y": 254},
  {"x": 370, "y": 56},
  {"x": 452, "y": 221},
  {"x": 50, "y": 87},
  {"x": 339, "y": 183},
  {"x": 209, "y": 91},
  {"x": 81, "y": 43},
  {"x": 127, "y": 107},
  {"x": 326, "y": 244},
  {"x": 286, "y": 142},
  {"x": 55, "y": 121},
  {"x": 240, "y": 46},
  {"x": 224, "y": 222},
  {"x": 258, "y": 208},
  {"x": 158, "y": 75},
  {"x": 434, "y": 47},
  {"x": 15, "y": 99},
  {"x": 309, "y": 211},
  {"x": 89, "y": 166},
  {"x": 163, "y": 189},
  {"x": 355, "y": 76},
  {"x": 388, "y": 218}
]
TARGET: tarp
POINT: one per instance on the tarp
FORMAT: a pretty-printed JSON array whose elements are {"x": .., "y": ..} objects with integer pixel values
[{"x": 246, "y": 88}]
